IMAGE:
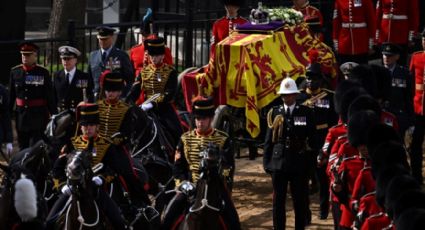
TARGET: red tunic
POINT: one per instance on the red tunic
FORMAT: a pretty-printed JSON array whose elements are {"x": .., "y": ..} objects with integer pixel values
[
  {"x": 368, "y": 206},
  {"x": 310, "y": 11},
  {"x": 417, "y": 68},
  {"x": 137, "y": 58},
  {"x": 333, "y": 134},
  {"x": 353, "y": 26},
  {"x": 221, "y": 30},
  {"x": 378, "y": 221},
  {"x": 397, "y": 20},
  {"x": 389, "y": 119},
  {"x": 364, "y": 184}
]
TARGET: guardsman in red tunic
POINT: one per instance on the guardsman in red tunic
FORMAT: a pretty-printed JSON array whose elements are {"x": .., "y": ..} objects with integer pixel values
[
  {"x": 417, "y": 68},
  {"x": 225, "y": 25},
  {"x": 311, "y": 14},
  {"x": 397, "y": 22},
  {"x": 353, "y": 30}
]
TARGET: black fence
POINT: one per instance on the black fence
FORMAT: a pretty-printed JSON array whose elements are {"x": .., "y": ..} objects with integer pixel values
[{"x": 186, "y": 25}]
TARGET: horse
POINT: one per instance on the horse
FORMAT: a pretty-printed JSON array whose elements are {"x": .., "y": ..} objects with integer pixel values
[
  {"x": 24, "y": 182},
  {"x": 206, "y": 211},
  {"x": 81, "y": 210}
]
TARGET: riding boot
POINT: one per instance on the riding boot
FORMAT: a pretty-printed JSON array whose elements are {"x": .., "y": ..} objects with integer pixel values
[{"x": 111, "y": 210}]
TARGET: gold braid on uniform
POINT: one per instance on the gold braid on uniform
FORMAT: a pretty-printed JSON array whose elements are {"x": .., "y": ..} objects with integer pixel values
[
  {"x": 276, "y": 125},
  {"x": 100, "y": 146},
  {"x": 111, "y": 117},
  {"x": 313, "y": 99},
  {"x": 193, "y": 144},
  {"x": 154, "y": 80}
]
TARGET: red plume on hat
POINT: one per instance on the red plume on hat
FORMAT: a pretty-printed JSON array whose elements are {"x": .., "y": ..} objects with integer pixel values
[
  {"x": 313, "y": 55},
  {"x": 102, "y": 77}
]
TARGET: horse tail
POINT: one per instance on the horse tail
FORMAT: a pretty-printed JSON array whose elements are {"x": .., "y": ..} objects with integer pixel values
[{"x": 25, "y": 199}]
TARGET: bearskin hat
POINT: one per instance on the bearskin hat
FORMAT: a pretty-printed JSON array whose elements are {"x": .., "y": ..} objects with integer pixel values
[
  {"x": 385, "y": 175},
  {"x": 347, "y": 98},
  {"x": 381, "y": 133},
  {"x": 396, "y": 186},
  {"x": 314, "y": 72},
  {"x": 413, "y": 218},
  {"x": 365, "y": 76},
  {"x": 388, "y": 154},
  {"x": 340, "y": 90},
  {"x": 364, "y": 102},
  {"x": 359, "y": 125}
]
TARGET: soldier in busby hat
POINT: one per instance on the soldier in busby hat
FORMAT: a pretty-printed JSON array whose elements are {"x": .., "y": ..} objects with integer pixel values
[
  {"x": 413, "y": 218},
  {"x": 31, "y": 91},
  {"x": 71, "y": 85},
  {"x": 155, "y": 88},
  {"x": 187, "y": 162},
  {"x": 114, "y": 158}
]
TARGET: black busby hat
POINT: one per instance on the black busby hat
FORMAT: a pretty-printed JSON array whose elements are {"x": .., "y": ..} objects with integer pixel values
[
  {"x": 346, "y": 100},
  {"x": 410, "y": 198},
  {"x": 233, "y": 2},
  {"x": 313, "y": 71},
  {"x": 395, "y": 188},
  {"x": 388, "y": 154},
  {"x": 155, "y": 46},
  {"x": 113, "y": 81},
  {"x": 87, "y": 113},
  {"x": 411, "y": 219},
  {"x": 104, "y": 31},
  {"x": 203, "y": 107},
  {"x": 366, "y": 77},
  {"x": 359, "y": 125},
  {"x": 340, "y": 90},
  {"x": 364, "y": 102},
  {"x": 68, "y": 51},
  {"x": 390, "y": 49},
  {"x": 28, "y": 47}
]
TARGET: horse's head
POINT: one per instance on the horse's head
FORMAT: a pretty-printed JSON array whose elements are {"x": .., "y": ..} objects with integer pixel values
[
  {"x": 59, "y": 124},
  {"x": 79, "y": 171},
  {"x": 210, "y": 159},
  {"x": 35, "y": 159}
]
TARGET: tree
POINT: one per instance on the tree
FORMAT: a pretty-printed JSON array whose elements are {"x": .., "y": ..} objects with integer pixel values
[{"x": 62, "y": 12}]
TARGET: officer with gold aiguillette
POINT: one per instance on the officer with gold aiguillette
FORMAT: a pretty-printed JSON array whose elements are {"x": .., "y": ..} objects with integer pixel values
[{"x": 290, "y": 134}]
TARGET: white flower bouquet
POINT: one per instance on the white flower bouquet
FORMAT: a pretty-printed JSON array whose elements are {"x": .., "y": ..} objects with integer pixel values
[{"x": 287, "y": 15}]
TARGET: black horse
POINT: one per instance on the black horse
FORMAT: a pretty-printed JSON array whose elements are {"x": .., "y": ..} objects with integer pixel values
[
  {"x": 24, "y": 182},
  {"x": 81, "y": 210},
  {"x": 207, "y": 209}
]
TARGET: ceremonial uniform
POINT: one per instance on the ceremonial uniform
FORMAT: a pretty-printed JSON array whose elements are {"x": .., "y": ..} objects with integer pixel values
[
  {"x": 222, "y": 28},
  {"x": 310, "y": 13},
  {"x": 31, "y": 91},
  {"x": 417, "y": 68},
  {"x": 378, "y": 221},
  {"x": 110, "y": 58},
  {"x": 139, "y": 59},
  {"x": 288, "y": 137},
  {"x": 113, "y": 157},
  {"x": 158, "y": 85},
  {"x": 353, "y": 29},
  {"x": 187, "y": 165},
  {"x": 368, "y": 207},
  {"x": 397, "y": 22}
]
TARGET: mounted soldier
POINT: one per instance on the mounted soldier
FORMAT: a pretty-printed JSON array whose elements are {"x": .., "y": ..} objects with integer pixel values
[{"x": 187, "y": 161}]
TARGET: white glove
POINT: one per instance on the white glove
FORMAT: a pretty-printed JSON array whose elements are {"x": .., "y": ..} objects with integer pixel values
[
  {"x": 9, "y": 148},
  {"x": 66, "y": 189},
  {"x": 97, "y": 180},
  {"x": 146, "y": 106}
]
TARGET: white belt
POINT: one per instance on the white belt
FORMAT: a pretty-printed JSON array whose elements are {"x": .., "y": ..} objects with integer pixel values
[
  {"x": 354, "y": 25},
  {"x": 394, "y": 16}
]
